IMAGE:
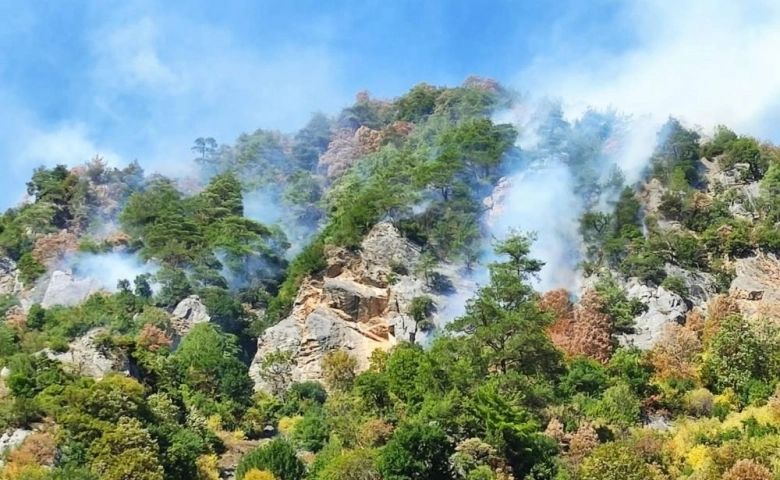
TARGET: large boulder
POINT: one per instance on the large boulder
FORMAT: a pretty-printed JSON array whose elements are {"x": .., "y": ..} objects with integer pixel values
[
  {"x": 309, "y": 337},
  {"x": 662, "y": 307},
  {"x": 87, "y": 358},
  {"x": 63, "y": 289},
  {"x": 192, "y": 311},
  {"x": 360, "y": 302}
]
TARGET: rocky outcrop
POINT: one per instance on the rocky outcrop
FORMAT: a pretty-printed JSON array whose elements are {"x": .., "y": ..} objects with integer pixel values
[
  {"x": 63, "y": 289},
  {"x": 190, "y": 312},
  {"x": 360, "y": 305},
  {"x": 663, "y": 307},
  {"x": 360, "y": 302},
  {"x": 756, "y": 286},
  {"x": 87, "y": 358},
  {"x": 700, "y": 285},
  {"x": 9, "y": 277}
]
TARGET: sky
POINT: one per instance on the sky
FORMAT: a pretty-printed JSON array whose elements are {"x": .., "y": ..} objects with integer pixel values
[{"x": 141, "y": 79}]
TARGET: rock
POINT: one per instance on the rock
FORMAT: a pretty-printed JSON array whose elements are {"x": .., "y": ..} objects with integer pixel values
[
  {"x": 658, "y": 422},
  {"x": 356, "y": 307},
  {"x": 309, "y": 338},
  {"x": 192, "y": 311},
  {"x": 87, "y": 358},
  {"x": 63, "y": 289},
  {"x": 663, "y": 307},
  {"x": 701, "y": 286},
  {"x": 9, "y": 277},
  {"x": 5, "y": 372},
  {"x": 13, "y": 439},
  {"x": 756, "y": 286},
  {"x": 735, "y": 175},
  {"x": 651, "y": 195},
  {"x": 360, "y": 302},
  {"x": 384, "y": 246}
]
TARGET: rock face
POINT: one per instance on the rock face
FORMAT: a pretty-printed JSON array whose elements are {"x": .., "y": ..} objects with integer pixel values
[
  {"x": 757, "y": 286},
  {"x": 360, "y": 302},
  {"x": 9, "y": 277},
  {"x": 63, "y": 289},
  {"x": 86, "y": 358},
  {"x": 360, "y": 305},
  {"x": 663, "y": 307},
  {"x": 189, "y": 312},
  {"x": 701, "y": 285}
]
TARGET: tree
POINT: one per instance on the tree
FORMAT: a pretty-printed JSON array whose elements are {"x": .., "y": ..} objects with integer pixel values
[
  {"x": 618, "y": 406},
  {"x": 504, "y": 318},
  {"x": 512, "y": 431},
  {"x": 614, "y": 461},
  {"x": 312, "y": 432},
  {"x": 416, "y": 451},
  {"x": 338, "y": 370},
  {"x": 205, "y": 148},
  {"x": 277, "y": 457},
  {"x": 420, "y": 309},
  {"x": 208, "y": 360},
  {"x": 276, "y": 370},
  {"x": 747, "y": 151},
  {"x": 352, "y": 465},
  {"x": 126, "y": 453}
]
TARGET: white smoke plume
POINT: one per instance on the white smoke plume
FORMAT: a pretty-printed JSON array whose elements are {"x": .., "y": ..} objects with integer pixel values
[
  {"x": 109, "y": 268},
  {"x": 703, "y": 62}
]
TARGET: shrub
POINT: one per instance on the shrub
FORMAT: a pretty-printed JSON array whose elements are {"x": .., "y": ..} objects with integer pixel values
[
  {"x": 675, "y": 284},
  {"x": 277, "y": 457}
]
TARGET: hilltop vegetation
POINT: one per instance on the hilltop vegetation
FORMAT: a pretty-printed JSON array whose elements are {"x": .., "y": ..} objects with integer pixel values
[{"x": 523, "y": 385}]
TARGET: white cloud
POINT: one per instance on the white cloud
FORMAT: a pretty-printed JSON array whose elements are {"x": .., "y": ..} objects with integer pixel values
[{"x": 705, "y": 61}]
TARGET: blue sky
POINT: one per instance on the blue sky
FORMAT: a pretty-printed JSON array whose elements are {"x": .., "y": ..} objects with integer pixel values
[{"x": 140, "y": 79}]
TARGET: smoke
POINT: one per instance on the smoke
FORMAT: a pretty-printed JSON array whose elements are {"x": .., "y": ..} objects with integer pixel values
[
  {"x": 540, "y": 201},
  {"x": 109, "y": 268},
  {"x": 704, "y": 62}
]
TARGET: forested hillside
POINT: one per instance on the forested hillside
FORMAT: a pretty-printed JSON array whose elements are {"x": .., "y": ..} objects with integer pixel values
[{"x": 362, "y": 300}]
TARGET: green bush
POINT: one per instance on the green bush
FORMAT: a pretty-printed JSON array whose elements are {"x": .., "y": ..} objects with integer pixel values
[
  {"x": 30, "y": 269},
  {"x": 277, "y": 457},
  {"x": 676, "y": 284}
]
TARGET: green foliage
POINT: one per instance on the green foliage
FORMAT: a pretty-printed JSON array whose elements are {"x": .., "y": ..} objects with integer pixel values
[
  {"x": 30, "y": 269},
  {"x": 678, "y": 148},
  {"x": 352, "y": 465},
  {"x": 504, "y": 320},
  {"x": 585, "y": 376},
  {"x": 720, "y": 143},
  {"x": 416, "y": 451},
  {"x": 614, "y": 461},
  {"x": 277, "y": 457},
  {"x": 126, "y": 452},
  {"x": 617, "y": 305},
  {"x": 312, "y": 432},
  {"x": 675, "y": 284},
  {"x": 619, "y": 406},
  {"x": 746, "y": 151},
  {"x": 740, "y": 353}
]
